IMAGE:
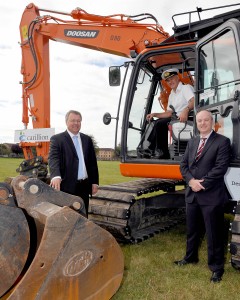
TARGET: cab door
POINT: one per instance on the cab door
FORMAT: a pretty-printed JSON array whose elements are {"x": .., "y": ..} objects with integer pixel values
[{"x": 218, "y": 89}]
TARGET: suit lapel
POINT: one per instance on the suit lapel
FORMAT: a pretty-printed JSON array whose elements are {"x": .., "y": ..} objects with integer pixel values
[
  {"x": 69, "y": 141},
  {"x": 83, "y": 144}
]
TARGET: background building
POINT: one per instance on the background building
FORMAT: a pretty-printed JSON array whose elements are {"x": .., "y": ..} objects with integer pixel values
[{"x": 106, "y": 154}]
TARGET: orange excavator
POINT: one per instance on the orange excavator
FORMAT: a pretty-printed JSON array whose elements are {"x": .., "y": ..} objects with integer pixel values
[
  {"x": 206, "y": 52},
  {"x": 122, "y": 35}
]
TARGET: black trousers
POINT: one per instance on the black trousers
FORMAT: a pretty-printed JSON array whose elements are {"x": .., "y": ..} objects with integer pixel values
[
  {"x": 82, "y": 190},
  {"x": 213, "y": 218},
  {"x": 158, "y": 138}
]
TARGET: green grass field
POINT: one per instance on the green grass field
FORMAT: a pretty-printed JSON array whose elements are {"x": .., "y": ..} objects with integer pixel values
[{"x": 149, "y": 272}]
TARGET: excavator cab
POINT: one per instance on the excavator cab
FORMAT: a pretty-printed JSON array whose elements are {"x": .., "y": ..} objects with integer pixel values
[
  {"x": 148, "y": 93},
  {"x": 215, "y": 84}
]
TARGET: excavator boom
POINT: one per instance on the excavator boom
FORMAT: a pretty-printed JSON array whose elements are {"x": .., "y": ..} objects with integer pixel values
[{"x": 117, "y": 34}]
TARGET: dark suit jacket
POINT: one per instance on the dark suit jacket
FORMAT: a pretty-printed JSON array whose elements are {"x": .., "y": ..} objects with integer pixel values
[
  {"x": 211, "y": 166},
  {"x": 63, "y": 161}
]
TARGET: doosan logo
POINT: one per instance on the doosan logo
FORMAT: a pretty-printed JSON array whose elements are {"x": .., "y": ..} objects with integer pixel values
[{"x": 81, "y": 33}]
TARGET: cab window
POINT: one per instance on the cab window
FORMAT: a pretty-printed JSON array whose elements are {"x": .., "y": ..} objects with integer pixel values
[{"x": 219, "y": 70}]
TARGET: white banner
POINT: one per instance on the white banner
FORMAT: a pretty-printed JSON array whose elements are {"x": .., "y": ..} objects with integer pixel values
[
  {"x": 232, "y": 181},
  {"x": 34, "y": 135}
]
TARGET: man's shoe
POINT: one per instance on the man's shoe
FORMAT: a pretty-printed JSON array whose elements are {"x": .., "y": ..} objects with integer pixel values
[
  {"x": 159, "y": 154},
  {"x": 216, "y": 276},
  {"x": 145, "y": 153},
  {"x": 184, "y": 262}
]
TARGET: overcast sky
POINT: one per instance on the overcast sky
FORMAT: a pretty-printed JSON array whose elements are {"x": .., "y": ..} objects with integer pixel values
[{"x": 79, "y": 77}]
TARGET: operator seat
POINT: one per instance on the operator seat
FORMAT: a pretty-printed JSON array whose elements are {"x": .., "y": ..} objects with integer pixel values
[{"x": 180, "y": 134}]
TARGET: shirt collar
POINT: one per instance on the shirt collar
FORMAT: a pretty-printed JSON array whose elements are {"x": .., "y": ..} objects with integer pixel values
[
  {"x": 71, "y": 134},
  {"x": 207, "y": 136},
  {"x": 179, "y": 87}
]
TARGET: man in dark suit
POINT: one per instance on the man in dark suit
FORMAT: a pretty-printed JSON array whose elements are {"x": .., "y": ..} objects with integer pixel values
[
  {"x": 203, "y": 168},
  {"x": 73, "y": 167}
]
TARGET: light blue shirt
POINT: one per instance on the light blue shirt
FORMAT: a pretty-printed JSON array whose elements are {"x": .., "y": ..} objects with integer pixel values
[{"x": 82, "y": 172}]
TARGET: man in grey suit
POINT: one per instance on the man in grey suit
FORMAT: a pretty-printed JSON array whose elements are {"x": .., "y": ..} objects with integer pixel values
[
  {"x": 203, "y": 168},
  {"x": 73, "y": 167}
]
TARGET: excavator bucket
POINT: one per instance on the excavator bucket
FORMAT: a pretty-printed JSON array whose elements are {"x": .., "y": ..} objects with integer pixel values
[{"x": 51, "y": 250}]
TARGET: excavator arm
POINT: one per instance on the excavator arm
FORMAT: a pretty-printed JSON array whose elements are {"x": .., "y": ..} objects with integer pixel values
[{"x": 118, "y": 34}]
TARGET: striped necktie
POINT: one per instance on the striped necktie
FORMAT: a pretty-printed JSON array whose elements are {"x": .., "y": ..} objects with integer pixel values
[{"x": 200, "y": 149}]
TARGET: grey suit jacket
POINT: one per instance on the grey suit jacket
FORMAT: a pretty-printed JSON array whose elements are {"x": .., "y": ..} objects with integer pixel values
[
  {"x": 211, "y": 166},
  {"x": 63, "y": 161}
]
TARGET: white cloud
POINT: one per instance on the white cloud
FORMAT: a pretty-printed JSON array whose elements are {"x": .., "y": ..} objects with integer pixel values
[{"x": 79, "y": 77}]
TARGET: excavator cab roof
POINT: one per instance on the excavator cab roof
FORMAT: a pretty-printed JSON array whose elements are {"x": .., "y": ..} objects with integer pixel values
[
  {"x": 192, "y": 31},
  {"x": 198, "y": 29}
]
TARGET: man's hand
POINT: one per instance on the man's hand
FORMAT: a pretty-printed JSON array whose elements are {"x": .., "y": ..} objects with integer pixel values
[
  {"x": 195, "y": 185},
  {"x": 55, "y": 183},
  {"x": 149, "y": 117},
  {"x": 183, "y": 116},
  {"x": 94, "y": 189}
]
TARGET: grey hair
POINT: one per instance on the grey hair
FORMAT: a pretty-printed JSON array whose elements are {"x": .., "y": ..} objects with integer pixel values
[{"x": 72, "y": 112}]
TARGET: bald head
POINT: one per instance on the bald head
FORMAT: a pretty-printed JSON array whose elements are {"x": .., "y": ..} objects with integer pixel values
[{"x": 204, "y": 121}]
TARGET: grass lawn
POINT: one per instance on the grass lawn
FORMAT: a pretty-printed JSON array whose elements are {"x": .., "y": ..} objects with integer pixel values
[{"x": 149, "y": 270}]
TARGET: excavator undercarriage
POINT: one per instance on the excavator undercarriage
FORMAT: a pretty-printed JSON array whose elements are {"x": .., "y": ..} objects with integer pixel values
[{"x": 136, "y": 210}]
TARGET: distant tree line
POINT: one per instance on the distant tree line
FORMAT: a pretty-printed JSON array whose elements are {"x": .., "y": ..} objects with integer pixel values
[
  {"x": 11, "y": 150},
  {"x": 14, "y": 150}
]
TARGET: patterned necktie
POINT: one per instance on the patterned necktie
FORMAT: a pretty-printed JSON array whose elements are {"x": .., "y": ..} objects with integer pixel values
[
  {"x": 80, "y": 157},
  {"x": 200, "y": 149}
]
